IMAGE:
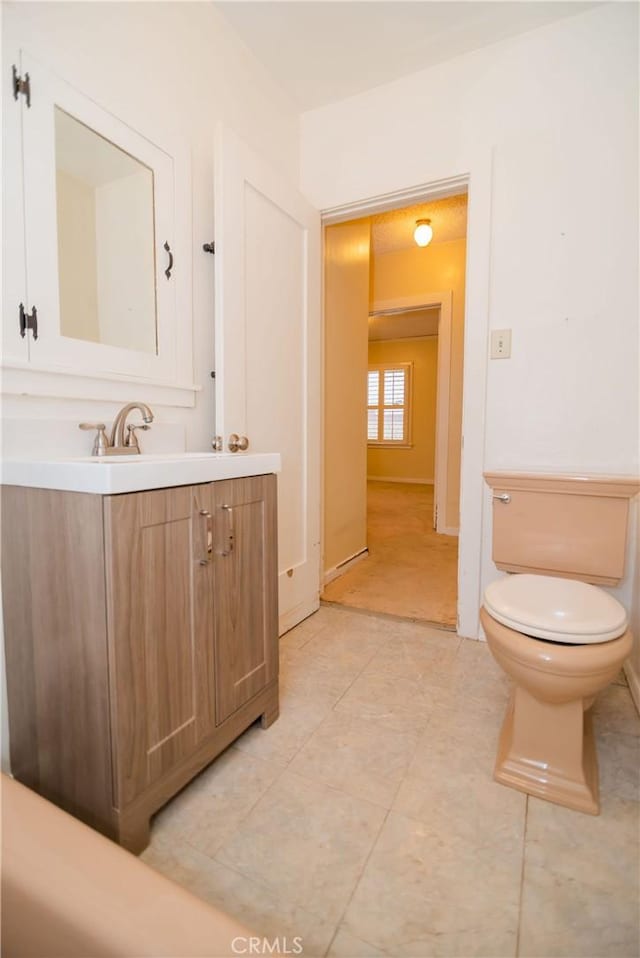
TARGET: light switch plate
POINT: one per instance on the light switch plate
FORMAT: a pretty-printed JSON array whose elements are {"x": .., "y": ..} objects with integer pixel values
[{"x": 500, "y": 343}]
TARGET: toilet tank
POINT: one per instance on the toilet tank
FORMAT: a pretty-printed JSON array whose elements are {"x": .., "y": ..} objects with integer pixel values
[{"x": 572, "y": 526}]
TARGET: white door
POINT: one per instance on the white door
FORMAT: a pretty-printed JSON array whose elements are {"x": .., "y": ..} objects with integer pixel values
[{"x": 267, "y": 335}]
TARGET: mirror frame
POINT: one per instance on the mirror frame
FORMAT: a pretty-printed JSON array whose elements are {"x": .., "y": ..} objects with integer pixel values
[{"x": 30, "y": 131}]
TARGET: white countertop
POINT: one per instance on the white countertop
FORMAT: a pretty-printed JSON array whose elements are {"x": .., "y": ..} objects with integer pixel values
[{"x": 109, "y": 475}]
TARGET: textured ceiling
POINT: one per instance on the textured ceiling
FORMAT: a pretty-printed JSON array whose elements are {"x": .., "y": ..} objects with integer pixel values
[
  {"x": 320, "y": 52},
  {"x": 394, "y": 230},
  {"x": 414, "y": 322}
]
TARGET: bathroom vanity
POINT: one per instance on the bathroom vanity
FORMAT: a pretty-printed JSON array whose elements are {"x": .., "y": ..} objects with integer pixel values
[{"x": 141, "y": 625}]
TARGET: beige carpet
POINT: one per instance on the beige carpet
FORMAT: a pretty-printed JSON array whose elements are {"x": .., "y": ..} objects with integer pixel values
[{"x": 411, "y": 570}]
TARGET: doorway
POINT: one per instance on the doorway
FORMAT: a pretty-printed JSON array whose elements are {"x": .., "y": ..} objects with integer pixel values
[{"x": 399, "y": 495}]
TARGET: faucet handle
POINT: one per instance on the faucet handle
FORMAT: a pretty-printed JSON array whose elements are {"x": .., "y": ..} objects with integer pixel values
[
  {"x": 101, "y": 443},
  {"x": 132, "y": 440}
]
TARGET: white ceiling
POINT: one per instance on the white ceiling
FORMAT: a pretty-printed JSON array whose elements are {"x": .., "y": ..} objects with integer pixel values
[
  {"x": 321, "y": 52},
  {"x": 404, "y": 325}
]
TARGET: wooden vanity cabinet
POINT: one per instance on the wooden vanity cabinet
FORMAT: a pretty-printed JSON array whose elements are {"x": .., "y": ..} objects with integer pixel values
[{"x": 141, "y": 640}]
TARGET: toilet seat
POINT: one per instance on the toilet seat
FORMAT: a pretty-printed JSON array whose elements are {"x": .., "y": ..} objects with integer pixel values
[{"x": 558, "y": 610}]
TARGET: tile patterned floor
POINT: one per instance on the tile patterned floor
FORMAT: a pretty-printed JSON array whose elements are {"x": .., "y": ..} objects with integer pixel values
[{"x": 366, "y": 820}]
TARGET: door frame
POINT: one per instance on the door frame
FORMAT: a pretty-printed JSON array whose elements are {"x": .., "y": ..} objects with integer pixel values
[
  {"x": 475, "y": 504},
  {"x": 443, "y": 301}
]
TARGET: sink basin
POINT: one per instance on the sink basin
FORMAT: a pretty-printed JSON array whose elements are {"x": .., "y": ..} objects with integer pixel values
[{"x": 109, "y": 475}]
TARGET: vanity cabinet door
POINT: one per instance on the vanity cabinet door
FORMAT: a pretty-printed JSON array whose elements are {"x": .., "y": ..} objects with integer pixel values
[
  {"x": 245, "y": 599},
  {"x": 159, "y": 613}
]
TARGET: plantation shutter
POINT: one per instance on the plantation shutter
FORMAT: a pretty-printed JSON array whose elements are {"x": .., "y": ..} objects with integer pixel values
[{"x": 388, "y": 404}]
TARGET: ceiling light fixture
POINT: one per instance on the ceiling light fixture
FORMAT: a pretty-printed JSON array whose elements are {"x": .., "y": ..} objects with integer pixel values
[{"x": 423, "y": 234}]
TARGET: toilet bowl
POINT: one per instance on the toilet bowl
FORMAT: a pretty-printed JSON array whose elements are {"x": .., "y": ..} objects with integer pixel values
[
  {"x": 550, "y": 626},
  {"x": 561, "y": 642}
]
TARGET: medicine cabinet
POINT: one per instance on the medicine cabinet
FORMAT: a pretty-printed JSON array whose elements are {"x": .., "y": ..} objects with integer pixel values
[{"x": 100, "y": 265}]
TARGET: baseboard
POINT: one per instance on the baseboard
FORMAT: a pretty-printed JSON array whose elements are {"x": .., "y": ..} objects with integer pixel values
[
  {"x": 302, "y": 611},
  {"x": 343, "y": 567},
  {"x": 634, "y": 684},
  {"x": 449, "y": 531},
  {"x": 421, "y": 482}
]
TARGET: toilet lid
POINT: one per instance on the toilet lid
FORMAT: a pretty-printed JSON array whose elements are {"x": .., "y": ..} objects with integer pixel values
[{"x": 560, "y": 610}]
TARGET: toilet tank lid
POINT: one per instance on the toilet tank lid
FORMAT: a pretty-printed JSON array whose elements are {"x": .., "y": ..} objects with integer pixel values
[{"x": 557, "y": 609}]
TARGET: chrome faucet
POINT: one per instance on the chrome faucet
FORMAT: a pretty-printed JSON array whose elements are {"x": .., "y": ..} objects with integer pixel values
[{"x": 119, "y": 443}]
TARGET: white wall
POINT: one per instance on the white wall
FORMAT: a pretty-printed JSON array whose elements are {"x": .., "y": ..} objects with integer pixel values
[
  {"x": 554, "y": 113},
  {"x": 177, "y": 68}
]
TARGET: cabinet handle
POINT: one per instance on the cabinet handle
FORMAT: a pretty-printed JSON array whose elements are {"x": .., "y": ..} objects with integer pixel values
[
  {"x": 230, "y": 532},
  {"x": 167, "y": 271},
  {"x": 208, "y": 535}
]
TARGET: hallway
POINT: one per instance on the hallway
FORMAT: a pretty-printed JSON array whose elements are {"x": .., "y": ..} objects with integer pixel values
[{"x": 410, "y": 571}]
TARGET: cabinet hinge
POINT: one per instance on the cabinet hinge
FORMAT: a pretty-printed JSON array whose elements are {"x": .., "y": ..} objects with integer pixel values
[
  {"x": 28, "y": 321},
  {"x": 21, "y": 85},
  {"x": 209, "y": 247}
]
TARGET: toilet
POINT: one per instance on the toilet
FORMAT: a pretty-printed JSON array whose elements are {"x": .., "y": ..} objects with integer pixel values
[{"x": 552, "y": 628}]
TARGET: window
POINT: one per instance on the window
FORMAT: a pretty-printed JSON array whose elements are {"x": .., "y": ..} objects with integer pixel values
[{"x": 388, "y": 412}]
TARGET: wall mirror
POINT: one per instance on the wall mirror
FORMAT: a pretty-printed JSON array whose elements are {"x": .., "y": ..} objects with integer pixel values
[{"x": 106, "y": 240}]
